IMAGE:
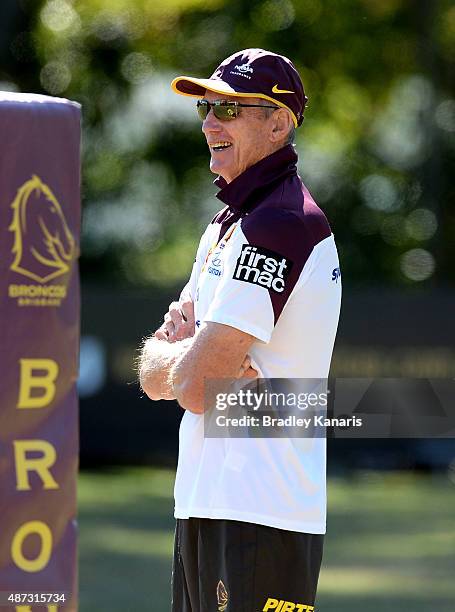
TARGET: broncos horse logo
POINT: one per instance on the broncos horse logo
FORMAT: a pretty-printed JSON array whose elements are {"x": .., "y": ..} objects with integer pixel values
[{"x": 43, "y": 245}]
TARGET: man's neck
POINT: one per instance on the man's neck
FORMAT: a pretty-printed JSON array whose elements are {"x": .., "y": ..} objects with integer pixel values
[{"x": 272, "y": 150}]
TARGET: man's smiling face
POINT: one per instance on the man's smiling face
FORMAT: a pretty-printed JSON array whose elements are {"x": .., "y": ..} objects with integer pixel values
[{"x": 246, "y": 137}]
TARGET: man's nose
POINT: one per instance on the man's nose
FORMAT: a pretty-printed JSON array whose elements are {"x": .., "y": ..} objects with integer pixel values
[{"x": 211, "y": 123}]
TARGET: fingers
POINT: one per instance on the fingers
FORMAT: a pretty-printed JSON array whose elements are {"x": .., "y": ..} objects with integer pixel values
[
  {"x": 246, "y": 371},
  {"x": 187, "y": 308},
  {"x": 244, "y": 367},
  {"x": 250, "y": 373},
  {"x": 178, "y": 321},
  {"x": 182, "y": 316},
  {"x": 169, "y": 328},
  {"x": 246, "y": 362},
  {"x": 161, "y": 334}
]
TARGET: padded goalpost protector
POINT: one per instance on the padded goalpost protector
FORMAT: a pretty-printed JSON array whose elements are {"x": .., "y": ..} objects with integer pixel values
[{"x": 39, "y": 344}]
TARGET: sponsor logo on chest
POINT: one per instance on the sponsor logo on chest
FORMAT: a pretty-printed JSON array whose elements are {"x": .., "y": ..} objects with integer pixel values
[
  {"x": 214, "y": 259},
  {"x": 260, "y": 266},
  {"x": 216, "y": 263}
]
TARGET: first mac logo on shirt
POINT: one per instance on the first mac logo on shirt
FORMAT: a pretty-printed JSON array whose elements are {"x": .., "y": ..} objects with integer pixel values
[{"x": 260, "y": 266}]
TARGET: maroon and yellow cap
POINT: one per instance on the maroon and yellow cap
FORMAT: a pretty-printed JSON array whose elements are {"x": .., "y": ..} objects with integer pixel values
[{"x": 252, "y": 73}]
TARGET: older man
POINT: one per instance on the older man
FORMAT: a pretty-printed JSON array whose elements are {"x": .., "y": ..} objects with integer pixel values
[{"x": 250, "y": 512}]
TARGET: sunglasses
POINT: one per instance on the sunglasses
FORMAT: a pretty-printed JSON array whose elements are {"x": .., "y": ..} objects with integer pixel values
[{"x": 223, "y": 109}]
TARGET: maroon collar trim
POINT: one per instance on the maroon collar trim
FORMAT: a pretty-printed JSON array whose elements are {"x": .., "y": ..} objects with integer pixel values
[{"x": 248, "y": 188}]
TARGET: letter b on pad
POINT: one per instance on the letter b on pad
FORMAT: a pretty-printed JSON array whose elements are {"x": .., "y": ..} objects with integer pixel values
[{"x": 37, "y": 375}]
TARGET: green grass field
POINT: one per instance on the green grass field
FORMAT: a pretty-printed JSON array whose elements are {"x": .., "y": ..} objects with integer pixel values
[{"x": 390, "y": 543}]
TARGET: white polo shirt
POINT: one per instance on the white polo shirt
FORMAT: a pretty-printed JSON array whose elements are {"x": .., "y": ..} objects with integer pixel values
[{"x": 267, "y": 265}]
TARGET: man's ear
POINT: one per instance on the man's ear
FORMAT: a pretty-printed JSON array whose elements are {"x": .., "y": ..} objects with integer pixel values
[{"x": 282, "y": 123}]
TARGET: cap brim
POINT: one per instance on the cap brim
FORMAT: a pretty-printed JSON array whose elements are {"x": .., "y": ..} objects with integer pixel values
[
  {"x": 188, "y": 86},
  {"x": 196, "y": 88}
]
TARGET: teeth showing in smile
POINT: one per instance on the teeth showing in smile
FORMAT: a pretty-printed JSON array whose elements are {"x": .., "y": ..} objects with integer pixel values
[{"x": 219, "y": 146}]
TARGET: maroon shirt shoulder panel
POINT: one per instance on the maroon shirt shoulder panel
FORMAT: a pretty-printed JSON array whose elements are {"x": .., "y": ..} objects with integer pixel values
[
  {"x": 280, "y": 220},
  {"x": 290, "y": 227}
]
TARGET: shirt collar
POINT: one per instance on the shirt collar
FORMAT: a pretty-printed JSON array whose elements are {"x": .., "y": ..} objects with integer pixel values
[{"x": 243, "y": 192}]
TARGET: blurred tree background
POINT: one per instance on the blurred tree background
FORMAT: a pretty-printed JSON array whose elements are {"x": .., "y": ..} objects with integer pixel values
[{"x": 376, "y": 148}]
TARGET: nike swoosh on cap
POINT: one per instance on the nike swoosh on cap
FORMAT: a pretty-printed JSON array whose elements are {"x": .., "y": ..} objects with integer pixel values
[{"x": 276, "y": 90}]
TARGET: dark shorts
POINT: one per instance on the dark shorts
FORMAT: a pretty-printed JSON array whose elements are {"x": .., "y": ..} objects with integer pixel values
[{"x": 231, "y": 566}]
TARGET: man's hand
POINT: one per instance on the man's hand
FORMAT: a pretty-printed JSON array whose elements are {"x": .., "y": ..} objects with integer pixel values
[
  {"x": 155, "y": 362},
  {"x": 246, "y": 370},
  {"x": 157, "y": 357},
  {"x": 217, "y": 351},
  {"x": 178, "y": 321},
  {"x": 179, "y": 324}
]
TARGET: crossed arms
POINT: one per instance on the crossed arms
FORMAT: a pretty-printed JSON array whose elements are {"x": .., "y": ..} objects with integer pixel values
[{"x": 174, "y": 363}]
